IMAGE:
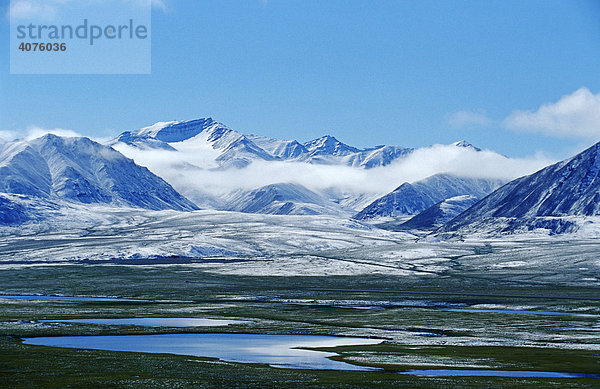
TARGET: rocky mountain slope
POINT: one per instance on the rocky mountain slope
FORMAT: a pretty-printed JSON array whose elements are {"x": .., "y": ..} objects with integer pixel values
[
  {"x": 545, "y": 199},
  {"x": 412, "y": 199},
  {"x": 81, "y": 170}
]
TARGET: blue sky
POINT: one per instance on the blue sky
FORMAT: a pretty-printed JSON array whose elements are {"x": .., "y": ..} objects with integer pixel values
[{"x": 505, "y": 75}]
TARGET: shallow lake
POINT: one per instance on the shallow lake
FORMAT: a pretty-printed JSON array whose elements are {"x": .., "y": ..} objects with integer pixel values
[
  {"x": 275, "y": 350},
  {"x": 497, "y": 373},
  {"x": 156, "y": 322}
]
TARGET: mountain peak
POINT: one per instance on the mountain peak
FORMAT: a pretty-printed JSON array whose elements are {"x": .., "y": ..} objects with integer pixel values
[
  {"x": 463, "y": 143},
  {"x": 48, "y": 136},
  {"x": 328, "y": 144},
  {"x": 324, "y": 140},
  {"x": 175, "y": 131},
  {"x": 328, "y": 137}
]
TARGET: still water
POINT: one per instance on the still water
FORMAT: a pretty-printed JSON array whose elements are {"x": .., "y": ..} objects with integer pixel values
[{"x": 275, "y": 350}]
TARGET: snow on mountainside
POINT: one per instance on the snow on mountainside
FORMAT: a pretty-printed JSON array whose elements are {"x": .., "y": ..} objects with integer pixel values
[
  {"x": 12, "y": 212},
  {"x": 412, "y": 199},
  {"x": 328, "y": 145},
  {"x": 547, "y": 199},
  {"x": 81, "y": 170},
  {"x": 329, "y": 150},
  {"x": 235, "y": 149},
  {"x": 465, "y": 144},
  {"x": 379, "y": 156},
  {"x": 232, "y": 149},
  {"x": 206, "y": 145},
  {"x": 175, "y": 131},
  {"x": 349, "y": 199},
  {"x": 210, "y": 163},
  {"x": 285, "y": 199},
  {"x": 284, "y": 149},
  {"x": 439, "y": 214},
  {"x": 17, "y": 209}
]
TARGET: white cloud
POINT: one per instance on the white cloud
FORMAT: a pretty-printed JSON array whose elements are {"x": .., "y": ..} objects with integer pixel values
[
  {"x": 422, "y": 163},
  {"x": 469, "y": 118},
  {"x": 7, "y": 136},
  {"x": 36, "y": 132},
  {"x": 575, "y": 116},
  {"x": 33, "y": 132}
]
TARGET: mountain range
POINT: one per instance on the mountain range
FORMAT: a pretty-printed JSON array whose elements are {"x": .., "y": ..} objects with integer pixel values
[
  {"x": 234, "y": 149},
  {"x": 38, "y": 175},
  {"x": 207, "y": 145}
]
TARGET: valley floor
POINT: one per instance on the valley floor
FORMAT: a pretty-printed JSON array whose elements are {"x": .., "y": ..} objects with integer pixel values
[{"x": 527, "y": 304}]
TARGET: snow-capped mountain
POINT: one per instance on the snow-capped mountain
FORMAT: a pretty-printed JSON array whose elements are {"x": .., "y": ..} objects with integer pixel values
[
  {"x": 81, "y": 170},
  {"x": 328, "y": 145},
  {"x": 229, "y": 148},
  {"x": 466, "y": 145},
  {"x": 545, "y": 199},
  {"x": 328, "y": 150},
  {"x": 285, "y": 199},
  {"x": 283, "y": 149},
  {"x": 202, "y": 154},
  {"x": 207, "y": 145},
  {"x": 439, "y": 214},
  {"x": 204, "y": 146},
  {"x": 412, "y": 199},
  {"x": 378, "y": 156},
  {"x": 175, "y": 131}
]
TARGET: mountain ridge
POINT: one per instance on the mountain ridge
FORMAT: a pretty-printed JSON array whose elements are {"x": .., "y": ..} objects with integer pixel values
[
  {"x": 414, "y": 198},
  {"x": 81, "y": 170},
  {"x": 285, "y": 199},
  {"x": 567, "y": 188},
  {"x": 324, "y": 150}
]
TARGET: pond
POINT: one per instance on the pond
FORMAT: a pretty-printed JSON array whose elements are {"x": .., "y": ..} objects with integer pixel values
[{"x": 284, "y": 351}]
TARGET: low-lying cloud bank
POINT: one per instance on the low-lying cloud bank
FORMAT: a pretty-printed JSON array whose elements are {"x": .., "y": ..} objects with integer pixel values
[
  {"x": 195, "y": 173},
  {"x": 176, "y": 168}
]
